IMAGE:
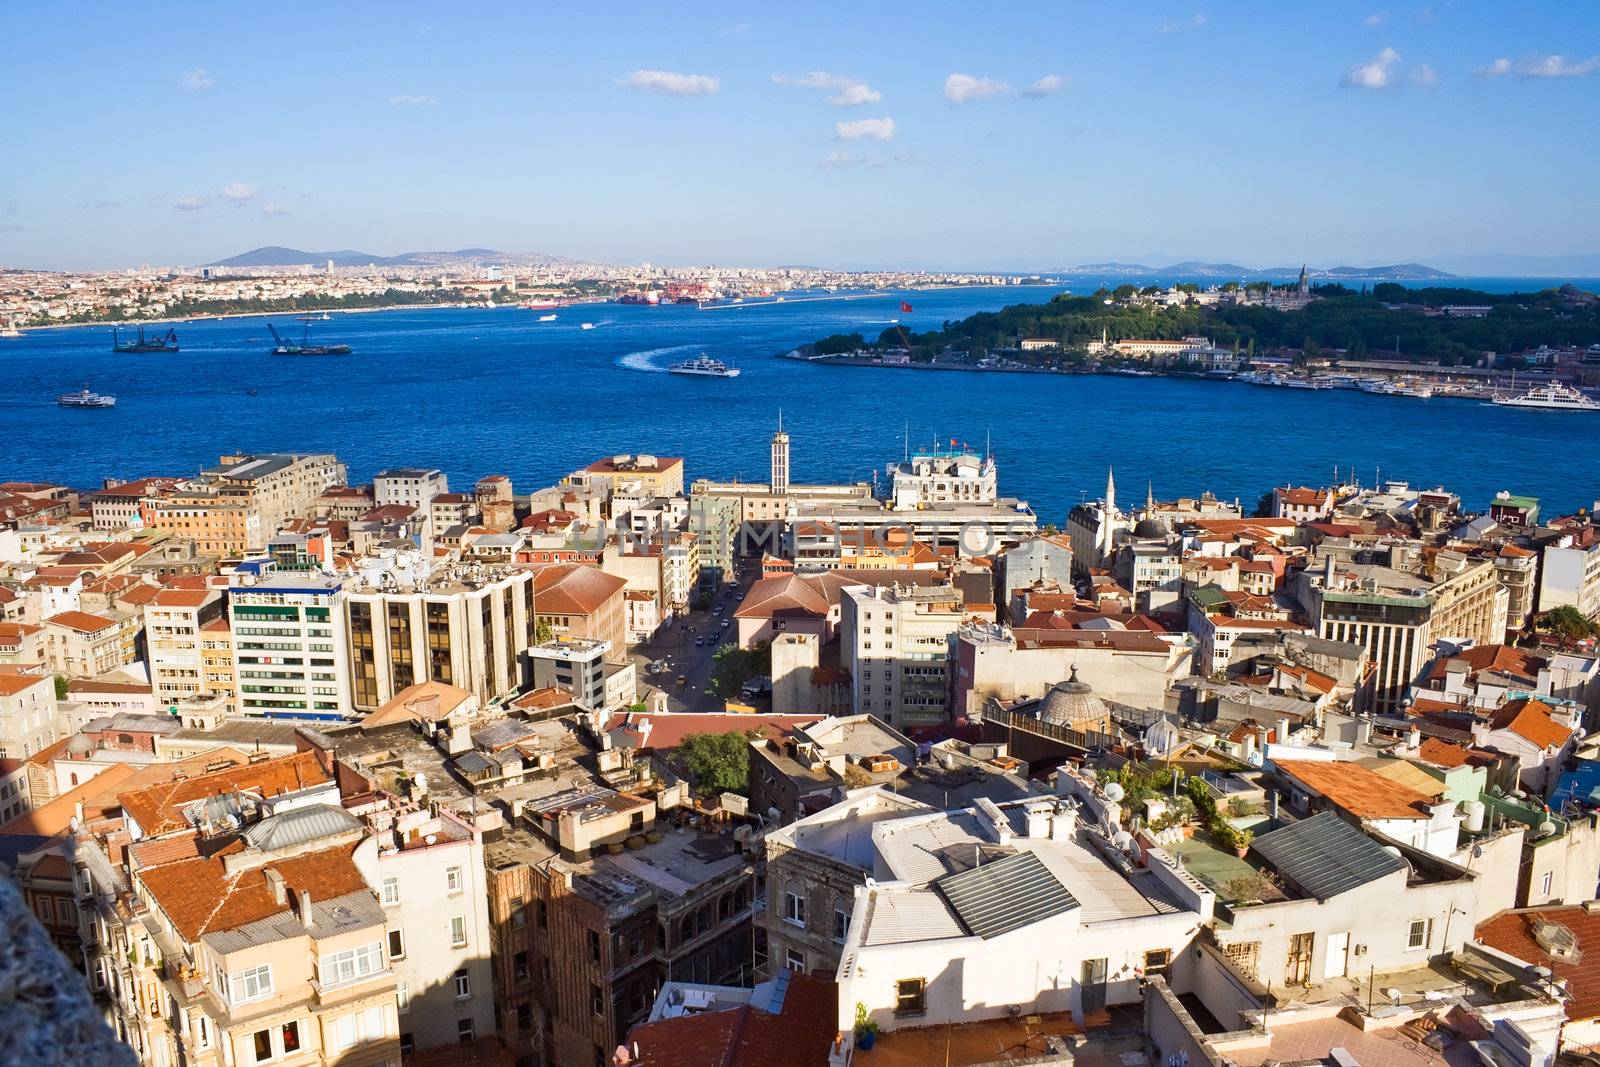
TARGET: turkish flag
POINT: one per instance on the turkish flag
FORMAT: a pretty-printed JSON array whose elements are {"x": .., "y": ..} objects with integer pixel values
[{"x": 905, "y": 307}]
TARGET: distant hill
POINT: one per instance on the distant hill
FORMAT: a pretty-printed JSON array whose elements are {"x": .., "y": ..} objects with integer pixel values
[
  {"x": 278, "y": 256},
  {"x": 1193, "y": 268}
]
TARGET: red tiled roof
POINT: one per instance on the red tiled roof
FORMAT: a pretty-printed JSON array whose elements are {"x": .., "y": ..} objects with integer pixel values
[
  {"x": 1357, "y": 790},
  {"x": 1502, "y": 659},
  {"x": 1512, "y": 932},
  {"x": 1532, "y": 720},
  {"x": 81, "y": 621},
  {"x": 668, "y": 731},
  {"x": 573, "y": 589},
  {"x": 157, "y": 809},
  {"x": 801, "y": 1032},
  {"x": 12, "y": 684},
  {"x": 200, "y": 896}
]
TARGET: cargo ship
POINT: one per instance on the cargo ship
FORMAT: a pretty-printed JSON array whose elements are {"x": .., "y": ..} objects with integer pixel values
[
  {"x": 305, "y": 347},
  {"x": 648, "y": 296},
  {"x": 703, "y": 366},
  {"x": 83, "y": 398},
  {"x": 169, "y": 343}
]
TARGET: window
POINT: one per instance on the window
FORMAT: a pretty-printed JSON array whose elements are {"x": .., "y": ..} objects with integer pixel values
[
  {"x": 794, "y": 960},
  {"x": 397, "y": 945},
  {"x": 464, "y": 1029},
  {"x": 402, "y": 997},
  {"x": 1417, "y": 937},
  {"x": 519, "y": 965},
  {"x": 391, "y": 892},
  {"x": 910, "y": 997},
  {"x": 408, "y": 1044},
  {"x": 262, "y": 1039},
  {"x": 350, "y": 965},
  {"x": 458, "y": 930},
  {"x": 794, "y": 909},
  {"x": 524, "y": 1017},
  {"x": 463, "y": 983},
  {"x": 1156, "y": 961},
  {"x": 250, "y": 985},
  {"x": 544, "y": 915},
  {"x": 519, "y": 917},
  {"x": 1545, "y": 883},
  {"x": 290, "y": 1035},
  {"x": 594, "y": 945},
  {"x": 452, "y": 879},
  {"x": 597, "y": 1000}
]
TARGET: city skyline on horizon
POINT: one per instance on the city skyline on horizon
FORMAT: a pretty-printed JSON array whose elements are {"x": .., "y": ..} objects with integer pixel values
[{"x": 970, "y": 142}]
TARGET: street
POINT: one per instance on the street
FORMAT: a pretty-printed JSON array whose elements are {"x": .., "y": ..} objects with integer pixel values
[{"x": 675, "y": 644}]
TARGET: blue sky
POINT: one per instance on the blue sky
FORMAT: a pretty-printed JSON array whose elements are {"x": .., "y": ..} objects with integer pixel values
[{"x": 1259, "y": 133}]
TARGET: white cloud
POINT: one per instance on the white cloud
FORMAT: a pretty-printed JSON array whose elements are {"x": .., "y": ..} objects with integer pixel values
[
  {"x": 274, "y": 209},
  {"x": 1551, "y": 66},
  {"x": 1378, "y": 73},
  {"x": 847, "y": 91},
  {"x": 196, "y": 80},
  {"x": 864, "y": 129},
  {"x": 670, "y": 83},
  {"x": 238, "y": 192},
  {"x": 190, "y": 203},
  {"x": 1423, "y": 75},
  {"x": 412, "y": 100},
  {"x": 849, "y": 160},
  {"x": 1376, "y": 19},
  {"x": 1046, "y": 85},
  {"x": 960, "y": 88},
  {"x": 1194, "y": 22},
  {"x": 843, "y": 160}
]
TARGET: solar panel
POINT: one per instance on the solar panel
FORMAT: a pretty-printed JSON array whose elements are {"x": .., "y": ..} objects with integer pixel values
[
  {"x": 996, "y": 898},
  {"x": 1326, "y": 856}
]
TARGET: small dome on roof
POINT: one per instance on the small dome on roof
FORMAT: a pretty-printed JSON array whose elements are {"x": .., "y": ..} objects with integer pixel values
[
  {"x": 80, "y": 745},
  {"x": 1150, "y": 528},
  {"x": 1071, "y": 703},
  {"x": 299, "y": 825}
]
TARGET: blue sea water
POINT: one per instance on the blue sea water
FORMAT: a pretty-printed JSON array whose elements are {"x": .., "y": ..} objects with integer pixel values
[{"x": 479, "y": 391}]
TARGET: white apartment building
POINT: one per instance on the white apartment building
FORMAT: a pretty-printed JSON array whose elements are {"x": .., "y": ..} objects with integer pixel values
[
  {"x": 288, "y": 645},
  {"x": 941, "y": 478},
  {"x": 27, "y": 714},
  {"x": 412, "y": 486},
  {"x": 172, "y": 623},
  {"x": 430, "y": 884},
  {"x": 895, "y": 642},
  {"x": 1571, "y": 575},
  {"x": 465, "y": 625}
]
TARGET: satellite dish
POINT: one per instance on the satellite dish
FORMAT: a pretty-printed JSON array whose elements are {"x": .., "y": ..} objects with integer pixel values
[
  {"x": 1123, "y": 840},
  {"x": 1114, "y": 792}
]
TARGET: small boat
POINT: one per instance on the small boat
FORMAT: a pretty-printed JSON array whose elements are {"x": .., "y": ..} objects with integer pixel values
[
  {"x": 169, "y": 343},
  {"x": 703, "y": 366},
  {"x": 547, "y": 318},
  {"x": 1554, "y": 396},
  {"x": 9, "y": 330},
  {"x": 83, "y": 398},
  {"x": 539, "y": 305},
  {"x": 324, "y": 317},
  {"x": 586, "y": 326}
]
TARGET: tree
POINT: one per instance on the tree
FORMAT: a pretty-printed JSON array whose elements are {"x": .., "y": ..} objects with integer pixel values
[
  {"x": 718, "y": 762},
  {"x": 1264, "y": 506},
  {"x": 733, "y": 666},
  {"x": 1123, "y": 292},
  {"x": 1568, "y": 623},
  {"x": 61, "y": 687},
  {"x": 542, "y": 632}
]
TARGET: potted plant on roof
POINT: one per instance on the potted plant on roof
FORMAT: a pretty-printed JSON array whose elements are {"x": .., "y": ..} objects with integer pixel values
[
  {"x": 866, "y": 1028},
  {"x": 1241, "y": 841}
]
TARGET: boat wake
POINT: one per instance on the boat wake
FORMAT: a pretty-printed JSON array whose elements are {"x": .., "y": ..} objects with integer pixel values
[{"x": 644, "y": 360}]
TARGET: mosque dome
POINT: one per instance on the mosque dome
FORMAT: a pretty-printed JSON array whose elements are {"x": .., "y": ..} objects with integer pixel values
[{"x": 1072, "y": 703}]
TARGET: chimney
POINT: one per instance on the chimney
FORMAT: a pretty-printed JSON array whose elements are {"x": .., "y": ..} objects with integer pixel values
[
  {"x": 1327, "y": 572},
  {"x": 1413, "y": 739},
  {"x": 1063, "y": 822},
  {"x": 280, "y": 893},
  {"x": 305, "y": 908}
]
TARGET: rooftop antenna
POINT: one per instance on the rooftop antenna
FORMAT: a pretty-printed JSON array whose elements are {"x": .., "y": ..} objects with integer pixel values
[
  {"x": 986, "y": 456},
  {"x": 780, "y": 420},
  {"x": 908, "y": 441}
]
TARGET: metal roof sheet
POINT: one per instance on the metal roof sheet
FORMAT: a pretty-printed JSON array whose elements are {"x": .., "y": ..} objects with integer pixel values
[
  {"x": 1326, "y": 856},
  {"x": 1002, "y": 896}
]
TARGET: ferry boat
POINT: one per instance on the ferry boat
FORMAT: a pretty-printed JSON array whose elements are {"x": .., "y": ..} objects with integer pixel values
[
  {"x": 83, "y": 398},
  {"x": 169, "y": 343},
  {"x": 1554, "y": 396},
  {"x": 703, "y": 366}
]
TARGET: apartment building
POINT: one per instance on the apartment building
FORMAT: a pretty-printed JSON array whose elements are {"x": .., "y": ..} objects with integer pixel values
[
  {"x": 120, "y": 507},
  {"x": 217, "y": 663},
  {"x": 84, "y": 645},
  {"x": 415, "y": 487},
  {"x": 895, "y": 642},
  {"x": 1397, "y": 614},
  {"x": 940, "y": 477},
  {"x": 288, "y": 631},
  {"x": 27, "y": 714},
  {"x": 654, "y": 475},
  {"x": 237, "y": 506},
  {"x": 174, "y": 624},
  {"x": 1570, "y": 574},
  {"x": 573, "y": 600},
  {"x": 464, "y": 625}
]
